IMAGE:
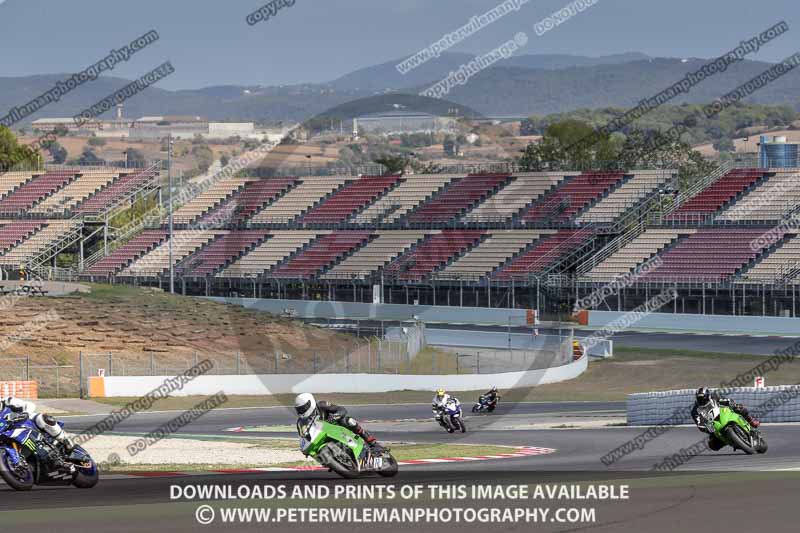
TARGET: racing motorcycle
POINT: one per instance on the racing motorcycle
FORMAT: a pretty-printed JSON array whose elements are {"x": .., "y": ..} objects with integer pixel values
[
  {"x": 731, "y": 428},
  {"x": 342, "y": 451},
  {"x": 31, "y": 457},
  {"x": 484, "y": 404},
  {"x": 452, "y": 417}
]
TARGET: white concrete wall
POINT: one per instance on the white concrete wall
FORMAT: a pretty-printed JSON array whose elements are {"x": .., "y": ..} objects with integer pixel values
[{"x": 342, "y": 383}]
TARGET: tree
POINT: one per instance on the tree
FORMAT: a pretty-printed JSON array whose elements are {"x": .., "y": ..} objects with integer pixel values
[
  {"x": 724, "y": 145},
  {"x": 57, "y": 152},
  {"x": 14, "y": 154},
  {"x": 203, "y": 155},
  {"x": 450, "y": 147},
  {"x": 88, "y": 157},
  {"x": 96, "y": 141},
  {"x": 136, "y": 158},
  {"x": 394, "y": 163}
]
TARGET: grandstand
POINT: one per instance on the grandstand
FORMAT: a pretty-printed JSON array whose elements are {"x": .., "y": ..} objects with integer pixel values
[{"x": 551, "y": 235}]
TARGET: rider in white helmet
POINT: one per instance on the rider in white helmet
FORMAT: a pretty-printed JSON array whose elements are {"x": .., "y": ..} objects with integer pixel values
[
  {"x": 305, "y": 406},
  {"x": 45, "y": 422}
]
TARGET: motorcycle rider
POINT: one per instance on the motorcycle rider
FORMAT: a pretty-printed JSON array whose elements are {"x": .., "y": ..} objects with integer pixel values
[
  {"x": 438, "y": 404},
  {"x": 44, "y": 422},
  {"x": 703, "y": 396},
  {"x": 491, "y": 397},
  {"x": 305, "y": 405}
]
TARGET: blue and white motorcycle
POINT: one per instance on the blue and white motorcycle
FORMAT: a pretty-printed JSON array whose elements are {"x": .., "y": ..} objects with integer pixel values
[
  {"x": 31, "y": 457},
  {"x": 452, "y": 417}
]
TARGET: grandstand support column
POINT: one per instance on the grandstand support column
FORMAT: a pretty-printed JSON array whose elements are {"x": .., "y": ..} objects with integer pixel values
[
  {"x": 461, "y": 293},
  {"x": 733, "y": 300},
  {"x": 489, "y": 293},
  {"x": 794, "y": 315},
  {"x": 207, "y": 288},
  {"x": 704, "y": 298},
  {"x": 80, "y": 257},
  {"x": 169, "y": 209},
  {"x": 513, "y": 295}
]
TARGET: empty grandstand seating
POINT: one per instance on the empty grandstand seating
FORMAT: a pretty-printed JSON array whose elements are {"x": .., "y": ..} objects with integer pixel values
[
  {"x": 117, "y": 191},
  {"x": 226, "y": 248},
  {"x": 497, "y": 249},
  {"x": 636, "y": 252},
  {"x": 770, "y": 200},
  {"x": 50, "y": 232},
  {"x": 781, "y": 264},
  {"x": 258, "y": 193},
  {"x": 540, "y": 255},
  {"x": 88, "y": 183},
  {"x": 433, "y": 253},
  {"x": 411, "y": 192},
  {"x": 128, "y": 252},
  {"x": 278, "y": 246},
  {"x": 207, "y": 200},
  {"x": 156, "y": 262},
  {"x": 13, "y": 233},
  {"x": 9, "y": 181},
  {"x": 514, "y": 197},
  {"x": 716, "y": 195},
  {"x": 709, "y": 254},
  {"x": 350, "y": 199},
  {"x": 306, "y": 194},
  {"x": 573, "y": 195},
  {"x": 321, "y": 254},
  {"x": 33, "y": 191},
  {"x": 376, "y": 254},
  {"x": 456, "y": 198},
  {"x": 627, "y": 195}
]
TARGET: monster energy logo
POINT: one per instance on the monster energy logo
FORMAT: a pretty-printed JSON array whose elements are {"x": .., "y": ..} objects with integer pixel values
[{"x": 29, "y": 443}]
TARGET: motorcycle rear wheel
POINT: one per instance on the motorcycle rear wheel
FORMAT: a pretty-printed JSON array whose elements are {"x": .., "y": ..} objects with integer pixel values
[
  {"x": 10, "y": 477},
  {"x": 732, "y": 432}
]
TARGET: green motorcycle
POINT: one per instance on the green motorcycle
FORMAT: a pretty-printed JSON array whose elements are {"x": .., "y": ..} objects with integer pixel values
[
  {"x": 730, "y": 428},
  {"x": 342, "y": 451}
]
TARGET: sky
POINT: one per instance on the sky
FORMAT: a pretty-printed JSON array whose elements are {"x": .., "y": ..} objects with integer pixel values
[{"x": 210, "y": 43}]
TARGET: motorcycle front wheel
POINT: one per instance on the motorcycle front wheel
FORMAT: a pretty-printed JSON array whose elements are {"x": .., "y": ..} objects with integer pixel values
[
  {"x": 339, "y": 460},
  {"x": 10, "y": 475},
  {"x": 86, "y": 478},
  {"x": 390, "y": 467},
  {"x": 734, "y": 435}
]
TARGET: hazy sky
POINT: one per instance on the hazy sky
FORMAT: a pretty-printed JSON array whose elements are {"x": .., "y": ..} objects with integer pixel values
[{"x": 210, "y": 43}]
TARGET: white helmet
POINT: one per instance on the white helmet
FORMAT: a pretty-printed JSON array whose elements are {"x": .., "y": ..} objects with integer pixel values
[{"x": 305, "y": 404}]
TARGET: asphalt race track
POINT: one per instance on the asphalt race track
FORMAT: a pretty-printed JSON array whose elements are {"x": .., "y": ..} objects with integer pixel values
[{"x": 733, "y": 481}]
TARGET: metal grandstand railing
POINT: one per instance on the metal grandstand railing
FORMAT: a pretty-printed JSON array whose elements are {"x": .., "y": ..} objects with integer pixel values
[
  {"x": 611, "y": 248},
  {"x": 54, "y": 248},
  {"x": 698, "y": 186},
  {"x": 564, "y": 261},
  {"x": 144, "y": 188}
]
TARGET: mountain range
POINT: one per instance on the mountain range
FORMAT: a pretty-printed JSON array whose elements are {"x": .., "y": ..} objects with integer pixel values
[{"x": 519, "y": 86}]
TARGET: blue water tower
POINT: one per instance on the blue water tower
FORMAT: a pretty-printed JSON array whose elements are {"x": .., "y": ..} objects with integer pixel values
[{"x": 777, "y": 153}]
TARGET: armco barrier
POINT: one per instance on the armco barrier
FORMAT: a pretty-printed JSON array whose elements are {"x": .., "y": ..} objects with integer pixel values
[
  {"x": 742, "y": 325},
  {"x": 28, "y": 390},
  {"x": 654, "y": 408},
  {"x": 338, "y": 383},
  {"x": 389, "y": 312}
]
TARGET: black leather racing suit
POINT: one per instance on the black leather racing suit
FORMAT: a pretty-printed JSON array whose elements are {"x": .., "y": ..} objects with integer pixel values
[{"x": 336, "y": 414}]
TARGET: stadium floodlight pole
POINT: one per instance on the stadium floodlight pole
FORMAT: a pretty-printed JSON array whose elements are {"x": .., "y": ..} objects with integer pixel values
[{"x": 169, "y": 208}]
